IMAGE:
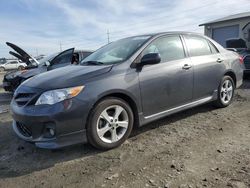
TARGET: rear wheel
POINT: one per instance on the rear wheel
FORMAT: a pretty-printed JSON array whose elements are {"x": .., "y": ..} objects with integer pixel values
[
  {"x": 110, "y": 123},
  {"x": 225, "y": 92}
]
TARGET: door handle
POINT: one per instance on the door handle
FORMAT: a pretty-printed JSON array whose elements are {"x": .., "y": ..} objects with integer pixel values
[
  {"x": 219, "y": 60},
  {"x": 186, "y": 67}
]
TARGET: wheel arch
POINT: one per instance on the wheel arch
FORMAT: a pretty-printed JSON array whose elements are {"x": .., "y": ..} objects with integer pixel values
[
  {"x": 123, "y": 96},
  {"x": 232, "y": 75}
]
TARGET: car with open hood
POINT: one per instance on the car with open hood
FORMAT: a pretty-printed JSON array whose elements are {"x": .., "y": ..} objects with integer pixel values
[
  {"x": 127, "y": 83},
  {"x": 239, "y": 45},
  {"x": 34, "y": 67}
]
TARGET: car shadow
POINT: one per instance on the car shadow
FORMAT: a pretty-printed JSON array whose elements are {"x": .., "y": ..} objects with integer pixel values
[
  {"x": 18, "y": 158},
  {"x": 173, "y": 118},
  {"x": 246, "y": 82}
]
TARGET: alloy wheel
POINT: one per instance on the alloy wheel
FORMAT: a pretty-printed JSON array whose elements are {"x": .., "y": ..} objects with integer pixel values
[
  {"x": 112, "y": 124},
  {"x": 226, "y": 92}
]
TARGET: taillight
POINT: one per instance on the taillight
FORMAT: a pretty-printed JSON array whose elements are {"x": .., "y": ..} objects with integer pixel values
[{"x": 241, "y": 60}]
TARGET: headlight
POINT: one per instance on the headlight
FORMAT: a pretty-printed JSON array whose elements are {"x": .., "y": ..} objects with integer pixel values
[{"x": 55, "y": 96}]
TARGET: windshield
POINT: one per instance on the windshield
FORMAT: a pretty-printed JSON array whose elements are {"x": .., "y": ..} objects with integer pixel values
[{"x": 117, "y": 51}]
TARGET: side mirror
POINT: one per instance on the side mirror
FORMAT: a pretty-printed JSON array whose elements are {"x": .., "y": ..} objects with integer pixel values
[
  {"x": 47, "y": 63},
  {"x": 150, "y": 59}
]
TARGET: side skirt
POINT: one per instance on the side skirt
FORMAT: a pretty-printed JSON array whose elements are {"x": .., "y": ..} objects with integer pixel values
[{"x": 153, "y": 117}]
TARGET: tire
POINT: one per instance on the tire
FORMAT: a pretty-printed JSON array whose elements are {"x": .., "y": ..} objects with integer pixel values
[
  {"x": 2, "y": 69},
  {"x": 20, "y": 67},
  {"x": 225, "y": 92},
  {"x": 103, "y": 129}
]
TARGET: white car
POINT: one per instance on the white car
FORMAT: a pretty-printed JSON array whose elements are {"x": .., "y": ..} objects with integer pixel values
[{"x": 12, "y": 65}]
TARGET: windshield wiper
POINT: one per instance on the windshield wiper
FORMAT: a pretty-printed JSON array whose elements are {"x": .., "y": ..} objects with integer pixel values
[{"x": 92, "y": 63}]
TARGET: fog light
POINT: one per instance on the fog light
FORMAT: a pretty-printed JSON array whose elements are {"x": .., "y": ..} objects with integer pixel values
[
  {"x": 49, "y": 130},
  {"x": 52, "y": 132}
]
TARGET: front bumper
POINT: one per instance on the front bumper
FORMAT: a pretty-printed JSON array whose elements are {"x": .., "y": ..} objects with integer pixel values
[
  {"x": 67, "y": 119},
  {"x": 11, "y": 84},
  {"x": 7, "y": 86}
]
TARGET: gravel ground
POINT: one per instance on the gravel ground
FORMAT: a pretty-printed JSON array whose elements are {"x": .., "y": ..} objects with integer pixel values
[{"x": 200, "y": 147}]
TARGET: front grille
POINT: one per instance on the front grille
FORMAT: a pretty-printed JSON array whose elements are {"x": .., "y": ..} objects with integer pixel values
[
  {"x": 24, "y": 129},
  {"x": 23, "y": 98}
]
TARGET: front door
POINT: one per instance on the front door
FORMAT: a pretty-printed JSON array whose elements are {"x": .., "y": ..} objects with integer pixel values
[
  {"x": 62, "y": 59},
  {"x": 170, "y": 83}
]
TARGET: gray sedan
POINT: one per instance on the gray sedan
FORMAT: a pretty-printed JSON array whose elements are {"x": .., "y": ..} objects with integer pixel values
[{"x": 127, "y": 83}]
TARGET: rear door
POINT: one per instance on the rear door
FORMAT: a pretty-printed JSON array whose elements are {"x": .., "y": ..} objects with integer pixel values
[
  {"x": 169, "y": 83},
  {"x": 208, "y": 66},
  {"x": 62, "y": 59}
]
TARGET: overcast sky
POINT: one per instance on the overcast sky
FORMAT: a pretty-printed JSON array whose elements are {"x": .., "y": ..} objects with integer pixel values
[{"x": 41, "y": 25}]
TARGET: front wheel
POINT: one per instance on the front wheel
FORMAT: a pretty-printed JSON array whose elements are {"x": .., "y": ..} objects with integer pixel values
[
  {"x": 225, "y": 92},
  {"x": 110, "y": 123},
  {"x": 2, "y": 69},
  {"x": 21, "y": 67}
]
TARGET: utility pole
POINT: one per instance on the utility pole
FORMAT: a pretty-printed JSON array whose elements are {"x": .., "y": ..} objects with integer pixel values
[
  {"x": 108, "y": 36},
  {"x": 60, "y": 46}
]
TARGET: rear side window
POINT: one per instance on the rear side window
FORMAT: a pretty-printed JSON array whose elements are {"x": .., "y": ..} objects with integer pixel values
[
  {"x": 214, "y": 50},
  {"x": 197, "y": 46},
  {"x": 169, "y": 47}
]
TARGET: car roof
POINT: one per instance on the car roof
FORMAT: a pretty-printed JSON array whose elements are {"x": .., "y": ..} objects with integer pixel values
[
  {"x": 83, "y": 51},
  {"x": 168, "y": 33}
]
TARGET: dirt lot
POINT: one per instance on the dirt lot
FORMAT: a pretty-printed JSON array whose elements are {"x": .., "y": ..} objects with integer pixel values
[{"x": 201, "y": 147}]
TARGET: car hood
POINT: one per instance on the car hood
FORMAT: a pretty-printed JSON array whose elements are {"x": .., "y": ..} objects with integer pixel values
[
  {"x": 65, "y": 77},
  {"x": 20, "y": 53},
  {"x": 25, "y": 73}
]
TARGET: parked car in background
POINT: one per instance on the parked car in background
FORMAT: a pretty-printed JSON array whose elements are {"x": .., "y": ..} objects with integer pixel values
[
  {"x": 239, "y": 45},
  {"x": 3, "y": 60},
  {"x": 245, "y": 54},
  {"x": 13, "y": 79},
  {"x": 12, "y": 65},
  {"x": 132, "y": 81}
]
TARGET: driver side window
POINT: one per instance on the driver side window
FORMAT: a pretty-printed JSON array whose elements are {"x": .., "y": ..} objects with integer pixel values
[{"x": 170, "y": 48}]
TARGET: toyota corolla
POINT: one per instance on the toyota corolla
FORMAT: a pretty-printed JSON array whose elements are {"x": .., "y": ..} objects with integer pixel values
[{"x": 127, "y": 83}]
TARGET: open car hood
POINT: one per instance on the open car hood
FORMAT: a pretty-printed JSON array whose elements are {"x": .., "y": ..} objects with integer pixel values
[
  {"x": 237, "y": 43},
  {"x": 20, "y": 53},
  {"x": 18, "y": 56}
]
